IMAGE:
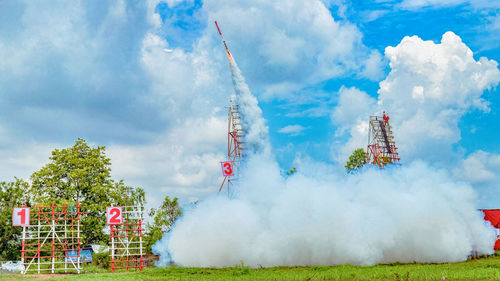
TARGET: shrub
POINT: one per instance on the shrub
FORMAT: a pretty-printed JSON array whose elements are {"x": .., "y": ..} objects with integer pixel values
[{"x": 100, "y": 260}]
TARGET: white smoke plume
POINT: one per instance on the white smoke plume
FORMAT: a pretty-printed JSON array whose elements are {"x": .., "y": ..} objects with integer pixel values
[
  {"x": 409, "y": 214},
  {"x": 256, "y": 132},
  {"x": 321, "y": 216}
]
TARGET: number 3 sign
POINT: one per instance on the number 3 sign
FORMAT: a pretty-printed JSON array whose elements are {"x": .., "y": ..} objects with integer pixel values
[
  {"x": 21, "y": 217},
  {"x": 114, "y": 215},
  {"x": 227, "y": 168}
]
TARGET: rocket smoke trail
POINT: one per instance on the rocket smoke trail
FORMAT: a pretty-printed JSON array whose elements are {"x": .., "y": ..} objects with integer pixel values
[
  {"x": 256, "y": 132},
  {"x": 320, "y": 216},
  {"x": 256, "y": 135}
]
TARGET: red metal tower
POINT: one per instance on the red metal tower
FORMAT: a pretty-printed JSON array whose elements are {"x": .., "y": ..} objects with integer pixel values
[
  {"x": 382, "y": 148},
  {"x": 50, "y": 239},
  {"x": 235, "y": 134},
  {"x": 126, "y": 243}
]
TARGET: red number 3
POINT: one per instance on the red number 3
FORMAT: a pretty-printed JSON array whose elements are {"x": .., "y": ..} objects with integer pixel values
[{"x": 227, "y": 168}]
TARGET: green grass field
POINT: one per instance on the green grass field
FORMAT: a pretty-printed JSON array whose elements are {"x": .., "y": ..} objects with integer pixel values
[{"x": 481, "y": 269}]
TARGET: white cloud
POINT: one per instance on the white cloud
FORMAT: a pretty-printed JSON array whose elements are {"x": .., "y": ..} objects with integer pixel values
[
  {"x": 430, "y": 87},
  {"x": 373, "y": 66},
  {"x": 350, "y": 116},
  {"x": 369, "y": 16},
  {"x": 293, "y": 130},
  {"x": 184, "y": 162},
  {"x": 480, "y": 169},
  {"x": 285, "y": 46},
  {"x": 353, "y": 106},
  {"x": 23, "y": 159},
  {"x": 418, "y": 4}
]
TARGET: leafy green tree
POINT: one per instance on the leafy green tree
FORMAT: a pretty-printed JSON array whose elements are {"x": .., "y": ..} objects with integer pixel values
[
  {"x": 83, "y": 174},
  {"x": 12, "y": 194},
  {"x": 356, "y": 160},
  {"x": 291, "y": 171},
  {"x": 163, "y": 220}
]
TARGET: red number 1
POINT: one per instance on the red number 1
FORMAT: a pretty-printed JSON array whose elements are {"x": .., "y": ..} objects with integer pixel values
[
  {"x": 22, "y": 213},
  {"x": 115, "y": 213}
]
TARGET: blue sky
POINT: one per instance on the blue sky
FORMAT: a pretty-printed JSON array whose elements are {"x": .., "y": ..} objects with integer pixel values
[{"x": 150, "y": 81}]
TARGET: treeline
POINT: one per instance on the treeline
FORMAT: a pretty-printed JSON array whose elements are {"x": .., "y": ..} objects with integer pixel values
[{"x": 78, "y": 174}]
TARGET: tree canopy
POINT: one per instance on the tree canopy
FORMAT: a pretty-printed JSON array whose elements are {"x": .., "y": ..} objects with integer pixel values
[
  {"x": 163, "y": 220},
  {"x": 83, "y": 173},
  {"x": 356, "y": 160},
  {"x": 12, "y": 194}
]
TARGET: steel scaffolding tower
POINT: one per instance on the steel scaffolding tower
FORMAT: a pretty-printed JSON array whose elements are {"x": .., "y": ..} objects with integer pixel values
[
  {"x": 126, "y": 240},
  {"x": 235, "y": 144},
  {"x": 382, "y": 148},
  {"x": 51, "y": 241}
]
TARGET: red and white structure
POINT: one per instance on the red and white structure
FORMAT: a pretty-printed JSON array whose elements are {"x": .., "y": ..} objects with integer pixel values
[
  {"x": 235, "y": 135},
  {"x": 50, "y": 238},
  {"x": 493, "y": 216},
  {"x": 126, "y": 237},
  {"x": 382, "y": 148}
]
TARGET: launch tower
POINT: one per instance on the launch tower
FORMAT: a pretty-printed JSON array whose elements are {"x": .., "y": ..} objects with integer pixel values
[
  {"x": 235, "y": 134},
  {"x": 382, "y": 148}
]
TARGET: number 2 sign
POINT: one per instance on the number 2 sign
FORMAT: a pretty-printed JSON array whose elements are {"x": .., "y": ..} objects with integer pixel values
[
  {"x": 21, "y": 217},
  {"x": 227, "y": 168},
  {"x": 114, "y": 215}
]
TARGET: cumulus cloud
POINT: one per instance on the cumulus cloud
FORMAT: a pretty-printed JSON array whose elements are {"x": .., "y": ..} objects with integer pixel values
[
  {"x": 352, "y": 107},
  {"x": 429, "y": 88},
  {"x": 350, "y": 117},
  {"x": 298, "y": 42},
  {"x": 60, "y": 64},
  {"x": 184, "y": 162},
  {"x": 480, "y": 168},
  {"x": 100, "y": 72}
]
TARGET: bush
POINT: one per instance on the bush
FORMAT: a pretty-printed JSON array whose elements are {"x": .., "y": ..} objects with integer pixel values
[{"x": 100, "y": 260}]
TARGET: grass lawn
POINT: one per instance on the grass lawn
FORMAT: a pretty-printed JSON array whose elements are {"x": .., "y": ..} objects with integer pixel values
[{"x": 481, "y": 269}]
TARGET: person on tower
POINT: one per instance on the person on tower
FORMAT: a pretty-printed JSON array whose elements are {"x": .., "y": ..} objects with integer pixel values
[{"x": 386, "y": 118}]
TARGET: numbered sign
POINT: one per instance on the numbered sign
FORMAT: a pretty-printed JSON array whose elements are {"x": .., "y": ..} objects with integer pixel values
[
  {"x": 114, "y": 215},
  {"x": 227, "y": 168},
  {"x": 21, "y": 217}
]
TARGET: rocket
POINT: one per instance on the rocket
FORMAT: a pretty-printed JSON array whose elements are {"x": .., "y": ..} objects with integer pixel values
[{"x": 223, "y": 41}]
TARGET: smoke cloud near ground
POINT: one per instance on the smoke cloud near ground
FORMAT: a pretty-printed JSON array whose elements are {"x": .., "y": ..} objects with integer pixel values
[
  {"x": 412, "y": 213},
  {"x": 321, "y": 216}
]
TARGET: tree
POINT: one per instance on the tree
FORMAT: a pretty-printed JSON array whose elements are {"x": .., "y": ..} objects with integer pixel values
[
  {"x": 82, "y": 173},
  {"x": 12, "y": 194},
  {"x": 356, "y": 160},
  {"x": 163, "y": 220},
  {"x": 291, "y": 171}
]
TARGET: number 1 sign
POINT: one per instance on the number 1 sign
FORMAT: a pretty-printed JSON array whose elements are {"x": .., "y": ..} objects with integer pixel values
[
  {"x": 114, "y": 215},
  {"x": 227, "y": 168},
  {"x": 21, "y": 217}
]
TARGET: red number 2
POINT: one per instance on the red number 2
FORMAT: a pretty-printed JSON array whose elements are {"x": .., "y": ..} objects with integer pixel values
[
  {"x": 115, "y": 213},
  {"x": 228, "y": 170},
  {"x": 22, "y": 214}
]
